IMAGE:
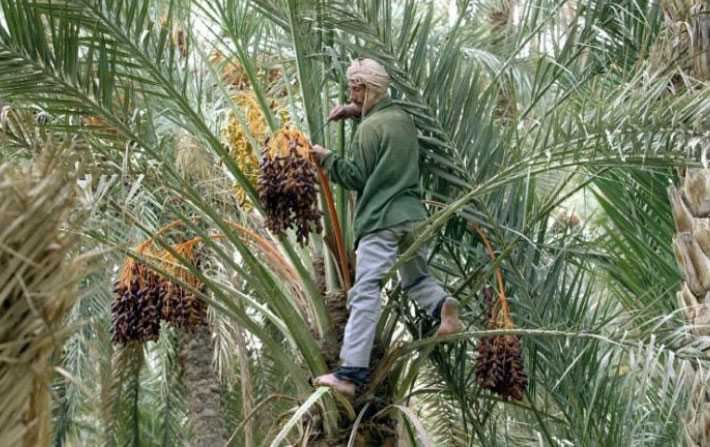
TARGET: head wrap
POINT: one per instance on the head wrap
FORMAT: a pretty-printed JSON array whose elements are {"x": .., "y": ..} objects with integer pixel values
[{"x": 373, "y": 76}]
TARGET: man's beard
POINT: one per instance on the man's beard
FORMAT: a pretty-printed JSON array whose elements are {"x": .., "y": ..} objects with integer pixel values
[{"x": 372, "y": 97}]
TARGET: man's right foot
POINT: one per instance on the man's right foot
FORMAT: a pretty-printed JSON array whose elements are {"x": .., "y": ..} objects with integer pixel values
[
  {"x": 339, "y": 385},
  {"x": 450, "y": 322}
]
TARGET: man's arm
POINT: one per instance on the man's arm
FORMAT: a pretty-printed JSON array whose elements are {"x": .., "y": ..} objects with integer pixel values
[
  {"x": 345, "y": 111},
  {"x": 353, "y": 173}
]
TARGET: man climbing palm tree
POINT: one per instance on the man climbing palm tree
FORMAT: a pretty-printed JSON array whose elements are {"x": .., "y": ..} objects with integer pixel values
[{"x": 384, "y": 170}]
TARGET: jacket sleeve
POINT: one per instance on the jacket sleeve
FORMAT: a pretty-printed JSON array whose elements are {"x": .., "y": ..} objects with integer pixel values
[{"x": 352, "y": 173}]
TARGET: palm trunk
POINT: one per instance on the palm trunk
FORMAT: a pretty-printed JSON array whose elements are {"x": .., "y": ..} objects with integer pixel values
[
  {"x": 688, "y": 23},
  {"x": 106, "y": 382},
  {"x": 208, "y": 428},
  {"x": 381, "y": 432},
  {"x": 246, "y": 386},
  {"x": 35, "y": 296},
  {"x": 691, "y": 213}
]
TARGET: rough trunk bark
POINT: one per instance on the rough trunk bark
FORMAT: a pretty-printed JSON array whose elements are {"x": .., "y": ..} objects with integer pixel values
[
  {"x": 691, "y": 213},
  {"x": 208, "y": 428},
  {"x": 246, "y": 386},
  {"x": 38, "y": 290},
  {"x": 687, "y": 33}
]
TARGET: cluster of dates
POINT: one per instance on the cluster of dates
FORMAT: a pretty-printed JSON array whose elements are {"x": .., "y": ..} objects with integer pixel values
[
  {"x": 143, "y": 299},
  {"x": 499, "y": 365},
  {"x": 287, "y": 185}
]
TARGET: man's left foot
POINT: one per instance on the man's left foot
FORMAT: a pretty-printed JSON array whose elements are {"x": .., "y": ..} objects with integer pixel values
[
  {"x": 330, "y": 380},
  {"x": 450, "y": 322}
]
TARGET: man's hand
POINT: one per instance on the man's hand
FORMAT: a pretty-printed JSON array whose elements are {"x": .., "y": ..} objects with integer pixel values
[
  {"x": 319, "y": 153},
  {"x": 344, "y": 111}
]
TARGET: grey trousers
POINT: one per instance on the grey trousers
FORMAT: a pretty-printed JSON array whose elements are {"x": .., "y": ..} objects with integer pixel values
[{"x": 376, "y": 253}]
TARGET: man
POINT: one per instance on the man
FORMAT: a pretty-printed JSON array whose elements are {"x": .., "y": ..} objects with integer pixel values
[{"x": 384, "y": 170}]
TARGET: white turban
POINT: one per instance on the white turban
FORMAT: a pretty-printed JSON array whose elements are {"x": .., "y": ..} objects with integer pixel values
[
  {"x": 373, "y": 76},
  {"x": 368, "y": 72}
]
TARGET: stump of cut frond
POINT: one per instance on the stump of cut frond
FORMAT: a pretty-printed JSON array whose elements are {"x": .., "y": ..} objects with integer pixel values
[
  {"x": 691, "y": 213},
  {"x": 36, "y": 292},
  {"x": 335, "y": 302}
]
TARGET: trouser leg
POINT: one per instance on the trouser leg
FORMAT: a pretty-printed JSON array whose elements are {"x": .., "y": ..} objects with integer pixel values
[
  {"x": 376, "y": 253},
  {"x": 420, "y": 285}
]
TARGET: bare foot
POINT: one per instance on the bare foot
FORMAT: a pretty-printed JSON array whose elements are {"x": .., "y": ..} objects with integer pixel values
[
  {"x": 341, "y": 386},
  {"x": 450, "y": 322}
]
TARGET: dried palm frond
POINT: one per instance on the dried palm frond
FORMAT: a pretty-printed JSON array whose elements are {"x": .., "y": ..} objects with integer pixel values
[
  {"x": 500, "y": 15},
  {"x": 684, "y": 43},
  {"x": 38, "y": 289},
  {"x": 191, "y": 160}
]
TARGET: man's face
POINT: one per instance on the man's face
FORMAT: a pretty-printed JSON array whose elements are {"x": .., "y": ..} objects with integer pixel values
[{"x": 357, "y": 93}]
